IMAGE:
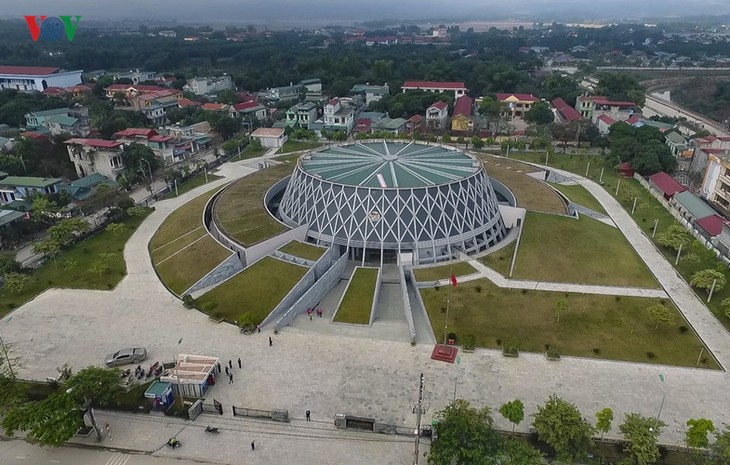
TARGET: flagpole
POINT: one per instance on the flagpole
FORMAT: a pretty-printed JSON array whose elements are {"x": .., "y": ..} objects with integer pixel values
[{"x": 446, "y": 321}]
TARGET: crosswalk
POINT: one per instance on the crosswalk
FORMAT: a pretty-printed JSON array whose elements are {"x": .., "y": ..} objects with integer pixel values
[{"x": 118, "y": 459}]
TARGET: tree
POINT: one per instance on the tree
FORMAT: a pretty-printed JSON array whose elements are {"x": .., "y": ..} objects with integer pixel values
[
  {"x": 560, "y": 307},
  {"x": 513, "y": 411},
  {"x": 660, "y": 314},
  {"x": 465, "y": 436},
  {"x": 43, "y": 209},
  {"x": 101, "y": 265},
  {"x": 674, "y": 237},
  {"x": 115, "y": 228},
  {"x": 720, "y": 449},
  {"x": 703, "y": 279},
  {"x": 697, "y": 432},
  {"x": 477, "y": 142},
  {"x": 67, "y": 229},
  {"x": 540, "y": 113},
  {"x": 47, "y": 246},
  {"x": 604, "y": 418},
  {"x": 517, "y": 452},
  {"x": 560, "y": 424},
  {"x": 140, "y": 161},
  {"x": 57, "y": 418},
  {"x": 8, "y": 264},
  {"x": 620, "y": 86},
  {"x": 16, "y": 282},
  {"x": 641, "y": 435}
]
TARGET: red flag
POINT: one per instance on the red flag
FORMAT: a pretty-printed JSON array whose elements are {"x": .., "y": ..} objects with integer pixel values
[{"x": 453, "y": 279}]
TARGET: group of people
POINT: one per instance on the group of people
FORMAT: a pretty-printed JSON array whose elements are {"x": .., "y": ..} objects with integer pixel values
[
  {"x": 229, "y": 369},
  {"x": 318, "y": 311}
]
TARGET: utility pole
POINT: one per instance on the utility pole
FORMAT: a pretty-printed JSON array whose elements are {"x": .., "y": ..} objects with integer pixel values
[{"x": 419, "y": 412}]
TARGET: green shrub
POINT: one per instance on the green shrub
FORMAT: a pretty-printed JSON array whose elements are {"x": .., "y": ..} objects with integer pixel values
[{"x": 469, "y": 342}]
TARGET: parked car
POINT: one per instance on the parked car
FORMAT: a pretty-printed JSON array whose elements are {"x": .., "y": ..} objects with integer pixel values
[{"x": 126, "y": 356}]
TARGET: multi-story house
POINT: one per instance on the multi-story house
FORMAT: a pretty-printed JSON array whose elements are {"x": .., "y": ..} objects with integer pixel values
[
  {"x": 37, "y": 119},
  {"x": 516, "y": 105},
  {"x": 189, "y": 139},
  {"x": 591, "y": 107},
  {"x": 462, "y": 121},
  {"x": 20, "y": 188},
  {"x": 136, "y": 76},
  {"x": 437, "y": 115},
  {"x": 161, "y": 145},
  {"x": 154, "y": 105},
  {"x": 338, "y": 117},
  {"x": 283, "y": 93},
  {"x": 249, "y": 110},
  {"x": 301, "y": 115},
  {"x": 123, "y": 93},
  {"x": 90, "y": 156},
  {"x": 206, "y": 85},
  {"x": 59, "y": 121},
  {"x": 458, "y": 88},
  {"x": 37, "y": 78},
  {"x": 369, "y": 92},
  {"x": 564, "y": 113}
]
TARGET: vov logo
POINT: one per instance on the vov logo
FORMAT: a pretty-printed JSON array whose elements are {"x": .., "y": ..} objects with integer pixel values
[{"x": 52, "y": 28}]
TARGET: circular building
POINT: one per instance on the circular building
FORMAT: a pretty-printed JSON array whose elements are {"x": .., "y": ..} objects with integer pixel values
[{"x": 383, "y": 200}]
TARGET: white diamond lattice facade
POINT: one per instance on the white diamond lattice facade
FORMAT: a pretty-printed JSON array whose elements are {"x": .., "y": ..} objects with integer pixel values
[{"x": 424, "y": 202}]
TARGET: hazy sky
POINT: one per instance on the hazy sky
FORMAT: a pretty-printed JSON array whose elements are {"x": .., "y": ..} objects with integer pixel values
[{"x": 240, "y": 11}]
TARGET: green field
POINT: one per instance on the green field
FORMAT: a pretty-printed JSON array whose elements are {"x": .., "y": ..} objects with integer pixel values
[
  {"x": 240, "y": 211},
  {"x": 501, "y": 259},
  {"x": 250, "y": 152},
  {"x": 257, "y": 289},
  {"x": 437, "y": 273},
  {"x": 562, "y": 249},
  {"x": 357, "y": 303},
  {"x": 190, "y": 184},
  {"x": 297, "y": 145},
  {"x": 578, "y": 194},
  {"x": 303, "y": 250},
  {"x": 71, "y": 269},
  {"x": 648, "y": 210},
  {"x": 595, "y": 326},
  {"x": 182, "y": 251}
]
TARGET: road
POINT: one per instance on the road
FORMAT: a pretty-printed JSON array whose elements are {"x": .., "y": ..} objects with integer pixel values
[{"x": 661, "y": 107}]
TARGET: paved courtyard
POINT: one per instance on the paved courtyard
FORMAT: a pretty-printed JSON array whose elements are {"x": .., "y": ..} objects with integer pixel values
[{"x": 330, "y": 373}]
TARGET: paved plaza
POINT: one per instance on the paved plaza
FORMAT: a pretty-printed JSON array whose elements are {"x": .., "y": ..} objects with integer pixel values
[{"x": 330, "y": 373}]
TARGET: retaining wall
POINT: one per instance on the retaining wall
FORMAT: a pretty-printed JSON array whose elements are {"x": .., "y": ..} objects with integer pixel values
[{"x": 407, "y": 304}]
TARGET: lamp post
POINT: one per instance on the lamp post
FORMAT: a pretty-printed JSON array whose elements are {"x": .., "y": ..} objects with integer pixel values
[
  {"x": 149, "y": 167},
  {"x": 661, "y": 405},
  {"x": 419, "y": 409}
]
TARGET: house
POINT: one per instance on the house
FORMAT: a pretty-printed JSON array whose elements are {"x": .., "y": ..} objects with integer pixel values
[
  {"x": 626, "y": 170},
  {"x": 215, "y": 107},
  {"x": 20, "y": 188},
  {"x": 186, "y": 102},
  {"x": 338, "y": 117},
  {"x": 206, "y": 86},
  {"x": 188, "y": 140},
  {"x": 516, "y": 105},
  {"x": 283, "y": 93},
  {"x": 715, "y": 185},
  {"x": 370, "y": 93},
  {"x": 82, "y": 188},
  {"x": 136, "y": 76},
  {"x": 591, "y": 107},
  {"x": 122, "y": 93},
  {"x": 301, "y": 115},
  {"x": 37, "y": 119},
  {"x": 154, "y": 105},
  {"x": 161, "y": 145},
  {"x": 30, "y": 78},
  {"x": 664, "y": 184},
  {"x": 415, "y": 124},
  {"x": 604, "y": 123},
  {"x": 312, "y": 86},
  {"x": 91, "y": 156},
  {"x": 710, "y": 226},
  {"x": 458, "y": 88},
  {"x": 391, "y": 125},
  {"x": 80, "y": 91},
  {"x": 66, "y": 124},
  {"x": 362, "y": 126},
  {"x": 564, "y": 113},
  {"x": 462, "y": 121},
  {"x": 249, "y": 110},
  {"x": 437, "y": 115},
  {"x": 677, "y": 143},
  {"x": 270, "y": 137},
  {"x": 691, "y": 207}
]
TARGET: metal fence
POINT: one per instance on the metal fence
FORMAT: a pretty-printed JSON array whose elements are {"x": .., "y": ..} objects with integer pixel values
[
  {"x": 251, "y": 412},
  {"x": 215, "y": 407}
]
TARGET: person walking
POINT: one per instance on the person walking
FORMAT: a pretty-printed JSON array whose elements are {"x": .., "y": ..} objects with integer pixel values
[
  {"x": 230, "y": 378},
  {"x": 271, "y": 341},
  {"x": 219, "y": 367},
  {"x": 227, "y": 371},
  {"x": 253, "y": 445},
  {"x": 108, "y": 431},
  {"x": 230, "y": 364},
  {"x": 308, "y": 414},
  {"x": 240, "y": 365}
]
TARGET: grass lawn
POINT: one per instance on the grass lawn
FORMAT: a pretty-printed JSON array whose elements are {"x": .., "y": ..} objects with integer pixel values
[
  {"x": 563, "y": 249},
  {"x": 240, "y": 210},
  {"x": 595, "y": 326},
  {"x": 648, "y": 210},
  {"x": 257, "y": 289},
  {"x": 56, "y": 273},
  {"x": 357, "y": 302},
  {"x": 297, "y": 145},
  {"x": 443, "y": 272},
  {"x": 501, "y": 259},
  {"x": 187, "y": 266},
  {"x": 578, "y": 194},
  {"x": 250, "y": 152},
  {"x": 190, "y": 184},
  {"x": 182, "y": 221},
  {"x": 303, "y": 250},
  {"x": 531, "y": 193}
]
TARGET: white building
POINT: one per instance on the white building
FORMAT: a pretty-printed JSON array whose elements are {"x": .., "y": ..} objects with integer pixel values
[
  {"x": 206, "y": 85},
  {"x": 91, "y": 156},
  {"x": 136, "y": 76},
  {"x": 338, "y": 117},
  {"x": 270, "y": 137},
  {"x": 458, "y": 88},
  {"x": 437, "y": 115},
  {"x": 30, "y": 78}
]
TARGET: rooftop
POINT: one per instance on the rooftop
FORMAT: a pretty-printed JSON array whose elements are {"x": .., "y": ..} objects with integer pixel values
[
  {"x": 101, "y": 143},
  {"x": 28, "y": 181},
  {"x": 268, "y": 132},
  {"x": 567, "y": 112},
  {"x": 434, "y": 84},
  {"x": 463, "y": 106},
  {"x": 693, "y": 204},
  {"x": 666, "y": 183},
  {"x": 517, "y": 98},
  {"x": 8, "y": 216},
  {"x": 54, "y": 111},
  {"x": 28, "y": 70},
  {"x": 390, "y": 164}
]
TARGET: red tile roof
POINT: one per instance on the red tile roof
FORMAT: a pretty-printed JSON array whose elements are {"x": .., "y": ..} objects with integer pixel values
[
  {"x": 213, "y": 106},
  {"x": 433, "y": 84},
  {"x": 633, "y": 119},
  {"x": 95, "y": 143},
  {"x": 440, "y": 105},
  {"x": 415, "y": 119},
  {"x": 135, "y": 132},
  {"x": 34, "y": 135},
  {"x": 606, "y": 119},
  {"x": 245, "y": 105},
  {"x": 567, "y": 112},
  {"x": 605, "y": 101},
  {"x": 711, "y": 224},
  {"x": 666, "y": 184},
  {"x": 463, "y": 106},
  {"x": 160, "y": 138},
  {"x": 185, "y": 102},
  {"x": 55, "y": 91},
  {"x": 28, "y": 70},
  {"x": 520, "y": 97},
  {"x": 138, "y": 88}
]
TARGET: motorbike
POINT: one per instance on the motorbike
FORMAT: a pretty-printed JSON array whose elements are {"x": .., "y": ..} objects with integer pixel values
[
  {"x": 212, "y": 429},
  {"x": 173, "y": 442}
]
